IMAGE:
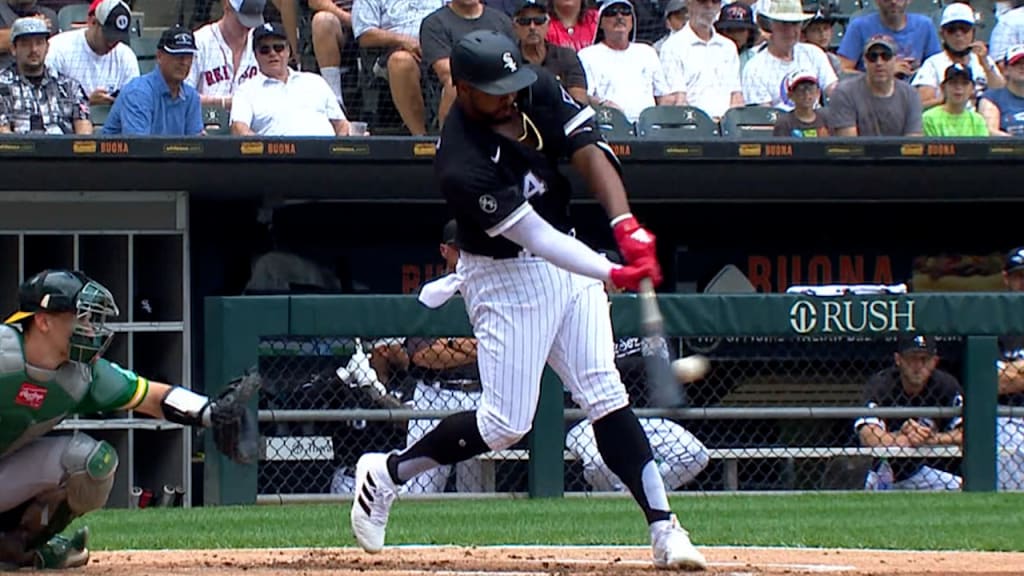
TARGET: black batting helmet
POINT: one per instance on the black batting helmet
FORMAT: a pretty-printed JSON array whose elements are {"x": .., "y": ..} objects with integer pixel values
[{"x": 490, "y": 62}]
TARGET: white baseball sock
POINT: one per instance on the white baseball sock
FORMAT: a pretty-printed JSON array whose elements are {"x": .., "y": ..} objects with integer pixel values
[{"x": 332, "y": 74}]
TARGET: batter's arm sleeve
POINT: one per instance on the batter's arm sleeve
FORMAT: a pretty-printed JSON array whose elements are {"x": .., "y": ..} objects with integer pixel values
[{"x": 541, "y": 238}]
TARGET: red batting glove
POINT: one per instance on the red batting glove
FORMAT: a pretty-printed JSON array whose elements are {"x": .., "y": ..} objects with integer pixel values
[
  {"x": 635, "y": 242},
  {"x": 629, "y": 277}
]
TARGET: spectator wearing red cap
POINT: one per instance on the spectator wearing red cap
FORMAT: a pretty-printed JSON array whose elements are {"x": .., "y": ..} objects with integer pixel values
[
  {"x": 804, "y": 120},
  {"x": 98, "y": 55},
  {"x": 1003, "y": 108},
  {"x": 953, "y": 118}
]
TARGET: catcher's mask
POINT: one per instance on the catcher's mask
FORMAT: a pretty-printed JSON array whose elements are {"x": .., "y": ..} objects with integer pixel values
[{"x": 71, "y": 291}]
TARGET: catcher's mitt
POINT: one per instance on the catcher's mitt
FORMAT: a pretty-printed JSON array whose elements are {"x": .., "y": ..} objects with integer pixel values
[{"x": 234, "y": 427}]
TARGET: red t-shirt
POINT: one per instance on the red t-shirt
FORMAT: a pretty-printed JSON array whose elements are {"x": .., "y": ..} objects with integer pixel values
[{"x": 579, "y": 36}]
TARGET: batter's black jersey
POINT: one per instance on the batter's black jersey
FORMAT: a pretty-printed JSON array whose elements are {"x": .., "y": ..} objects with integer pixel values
[
  {"x": 885, "y": 389},
  {"x": 1011, "y": 348},
  {"x": 490, "y": 182}
]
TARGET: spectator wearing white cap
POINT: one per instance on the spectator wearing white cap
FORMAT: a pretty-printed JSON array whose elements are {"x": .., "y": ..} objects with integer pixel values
[
  {"x": 98, "y": 55},
  {"x": 875, "y": 103},
  {"x": 280, "y": 101},
  {"x": 35, "y": 98},
  {"x": 1008, "y": 31},
  {"x": 622, "y": 73},
  {"x": 161, "y": 103},
  {"x": 953, "y": 119},
  {"x": 225, "y": 59},
  {"x": 764, "y": 77},
  {"x": 959, "y": 47},
  {"x": 1003, "y": 108},
  {"x": 805, "y": 120},
  {"x": 10, "y": 11},
  {"x": 702, "y": 66}
]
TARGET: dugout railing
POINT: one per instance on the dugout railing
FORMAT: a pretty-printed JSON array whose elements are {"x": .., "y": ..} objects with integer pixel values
[{"x": 237, "y": 328}]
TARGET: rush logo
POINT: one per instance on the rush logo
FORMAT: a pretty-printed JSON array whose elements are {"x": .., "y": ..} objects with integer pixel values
[{"x": 31, "y": 395}]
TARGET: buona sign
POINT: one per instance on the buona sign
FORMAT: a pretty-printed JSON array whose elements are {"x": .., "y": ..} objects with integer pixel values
[{"x": 853, "y": 317}]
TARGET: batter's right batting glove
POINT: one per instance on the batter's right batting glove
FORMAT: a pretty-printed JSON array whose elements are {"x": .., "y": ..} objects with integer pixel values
[{"x": 629, "y": 277}]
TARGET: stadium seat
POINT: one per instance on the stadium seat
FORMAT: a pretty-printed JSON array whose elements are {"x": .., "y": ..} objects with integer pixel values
[
  {"x": 98, "y": 114},
  {"x": 613, "y": 123},
  {"x": 926, "y": 7},
  {"x": 72, "y": 15},
  {"x": 749, "y": 121},
  {"x": 217, "y": 120},
  {"x": 145, "y": 50},
  {"x": 675, "y": 123}
]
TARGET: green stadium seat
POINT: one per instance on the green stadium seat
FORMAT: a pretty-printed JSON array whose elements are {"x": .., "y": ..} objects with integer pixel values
[
  {"x": 98, "y": 114},
  {"x": 613, "y": 123},
  {"x": 71, "y": 15},
  {"x": 145, "y": 50},
  {"x": 675, "y": 123},
  {"x": 217, "y": 120},
  {"x": 749, "y": 122}
]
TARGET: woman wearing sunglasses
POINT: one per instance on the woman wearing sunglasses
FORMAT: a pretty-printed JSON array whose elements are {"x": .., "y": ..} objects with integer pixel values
[
  {"x": 959, "y": 46},
  {"x": 280, "y": 101}
]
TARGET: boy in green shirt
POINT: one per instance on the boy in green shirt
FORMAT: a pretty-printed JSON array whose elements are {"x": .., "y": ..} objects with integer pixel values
[{"x": 953, "y": 119}]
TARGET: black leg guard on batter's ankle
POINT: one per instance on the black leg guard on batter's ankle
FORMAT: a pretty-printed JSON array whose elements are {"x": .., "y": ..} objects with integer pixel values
[
  {"x": 627, "y": 452},
  {"x": 454, "y": 439}
]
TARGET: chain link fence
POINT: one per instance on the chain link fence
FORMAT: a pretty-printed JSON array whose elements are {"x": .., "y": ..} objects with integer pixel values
[{"x": 773, "y": 414}]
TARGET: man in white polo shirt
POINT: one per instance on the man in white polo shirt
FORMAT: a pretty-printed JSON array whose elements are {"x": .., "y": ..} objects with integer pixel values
[
  {"x": 280, "y": 101},
  {"x": 701, "y": 64},
  {"x": 97, "y": 56}
]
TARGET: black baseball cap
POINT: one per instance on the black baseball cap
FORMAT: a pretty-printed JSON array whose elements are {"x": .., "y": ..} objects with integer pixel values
[
  {"x": 490, "y": 62},
  {"x": 958, "y": 71},
  {"x": 909, "y": 342},
  {"x": 275, "y": 29},
  {"x": 1014, "y": 260},
  {"x": 450, "y": 231},
  {"x": 177, "y": 40},
  {"x": 115, "y": 17},
  {"x": 735, "y": 16},
  {"x": 521, "y": 5}
]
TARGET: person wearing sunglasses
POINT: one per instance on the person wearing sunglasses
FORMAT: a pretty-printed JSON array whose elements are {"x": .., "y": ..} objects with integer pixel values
[
  {"x": 1003, "y": 108},
  {"x": 621, "y": 72},
  {"x": 875, "y": 104},
  {"x": 161, "y": 103},
  {"x": 531, "y": 22},
  {"x": 959, "y": 46},
  {"x": 280, "y": 101}
]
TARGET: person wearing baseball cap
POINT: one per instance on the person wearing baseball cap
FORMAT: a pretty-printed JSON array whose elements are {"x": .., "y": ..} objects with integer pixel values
[
  {"x": 805, "y": 120},
  {"x": 875, "y": 103},
  {"x": 959, "y": 46},
  {"x": 915, "y": 380},
  {"x": 954, "y": 118},
  {"x": 161, "y": 103},
  {"x": 675, "y": 15},
  {"x": 530, "y": 23},
  {"x": 22, "y": 9},
  {"x": 765, "y": 73},
  {"x": 736, "y": 22},
  {"x": 34, "y": 97},
  {"x": 914, "y": 35},
  {"x": 819, "y": 31},
  {"x": 1010, "y": 366},
  {"x": 219, "y": 46},
  {"x": 1003, "y": 108},
  {"x": 98, "y": 56},
  {"x": 281, "y": 101}
]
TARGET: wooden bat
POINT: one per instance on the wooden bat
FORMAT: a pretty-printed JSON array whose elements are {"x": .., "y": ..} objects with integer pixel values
[{"x": 663, "y": 389}]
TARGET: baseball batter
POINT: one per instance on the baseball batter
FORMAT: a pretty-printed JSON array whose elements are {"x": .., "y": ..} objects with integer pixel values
[
  {"x": 533, "y": 292},
  {"x": 52, "y": 368}
]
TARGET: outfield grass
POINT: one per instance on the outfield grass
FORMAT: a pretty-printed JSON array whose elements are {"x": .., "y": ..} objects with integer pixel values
[{"x": 891, "y": 520}]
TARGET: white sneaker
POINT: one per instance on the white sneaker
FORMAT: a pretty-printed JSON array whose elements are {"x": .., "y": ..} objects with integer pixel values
[
  {"x": 372, "y": 501},
  {"x": 671, "y": 546}
]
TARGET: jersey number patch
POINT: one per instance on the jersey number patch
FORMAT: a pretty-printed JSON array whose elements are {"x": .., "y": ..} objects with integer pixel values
[{"x": 533, "y": 185}]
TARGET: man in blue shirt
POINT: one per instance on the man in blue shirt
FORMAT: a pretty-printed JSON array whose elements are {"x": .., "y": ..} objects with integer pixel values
[
  {"x": 161, "y": 103},
  {"x": 915, "y": 37},
  {"x": 1003, "y": 108}
]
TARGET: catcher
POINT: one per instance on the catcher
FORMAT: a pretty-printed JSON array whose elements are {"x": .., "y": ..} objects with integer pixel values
[{"x": 51, "y": 369}]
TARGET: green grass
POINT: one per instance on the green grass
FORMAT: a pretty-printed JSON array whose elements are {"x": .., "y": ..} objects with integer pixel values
[{"x": 924, "y": 521}]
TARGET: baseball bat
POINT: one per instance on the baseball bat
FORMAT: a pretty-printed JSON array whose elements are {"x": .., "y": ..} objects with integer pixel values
[{"x": 663, "y": 390}]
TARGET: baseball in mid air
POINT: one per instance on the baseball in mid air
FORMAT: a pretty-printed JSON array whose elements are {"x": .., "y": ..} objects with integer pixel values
[{"x": 691, "y": 368}]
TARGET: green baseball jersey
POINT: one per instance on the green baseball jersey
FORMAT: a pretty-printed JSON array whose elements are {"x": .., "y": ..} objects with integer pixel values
[{"x": 33, "y": 401}]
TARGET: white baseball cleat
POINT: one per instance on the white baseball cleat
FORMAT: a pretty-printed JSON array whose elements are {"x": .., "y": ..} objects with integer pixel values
[
  {"x": 672, "y": 548},
  {"x": 373, "y": 497}
]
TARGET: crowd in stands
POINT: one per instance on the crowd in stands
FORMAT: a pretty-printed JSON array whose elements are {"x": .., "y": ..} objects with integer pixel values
[{"x": 884, "y": 71}]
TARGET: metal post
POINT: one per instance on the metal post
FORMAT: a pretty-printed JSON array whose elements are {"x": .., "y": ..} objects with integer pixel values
[
  {"x": 981, "y": 389},
  {"x": 547, "y": 467}
]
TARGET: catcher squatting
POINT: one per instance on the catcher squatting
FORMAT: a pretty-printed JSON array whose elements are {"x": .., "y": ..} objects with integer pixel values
[{"x": 51, "y": 367}]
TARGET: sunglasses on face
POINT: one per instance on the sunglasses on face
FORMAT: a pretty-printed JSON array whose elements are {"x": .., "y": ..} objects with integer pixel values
[
  {"x": 618, "y": 11},
  {"x": 266, "y": 48},
  {"x": 955, "y": 28},
  {"x": 874, "y": 56},
  {"x": 534, "y": 20}
]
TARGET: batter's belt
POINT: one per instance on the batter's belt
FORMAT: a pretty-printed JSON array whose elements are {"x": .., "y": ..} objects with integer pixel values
[{"x": 464, "y": 385}]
